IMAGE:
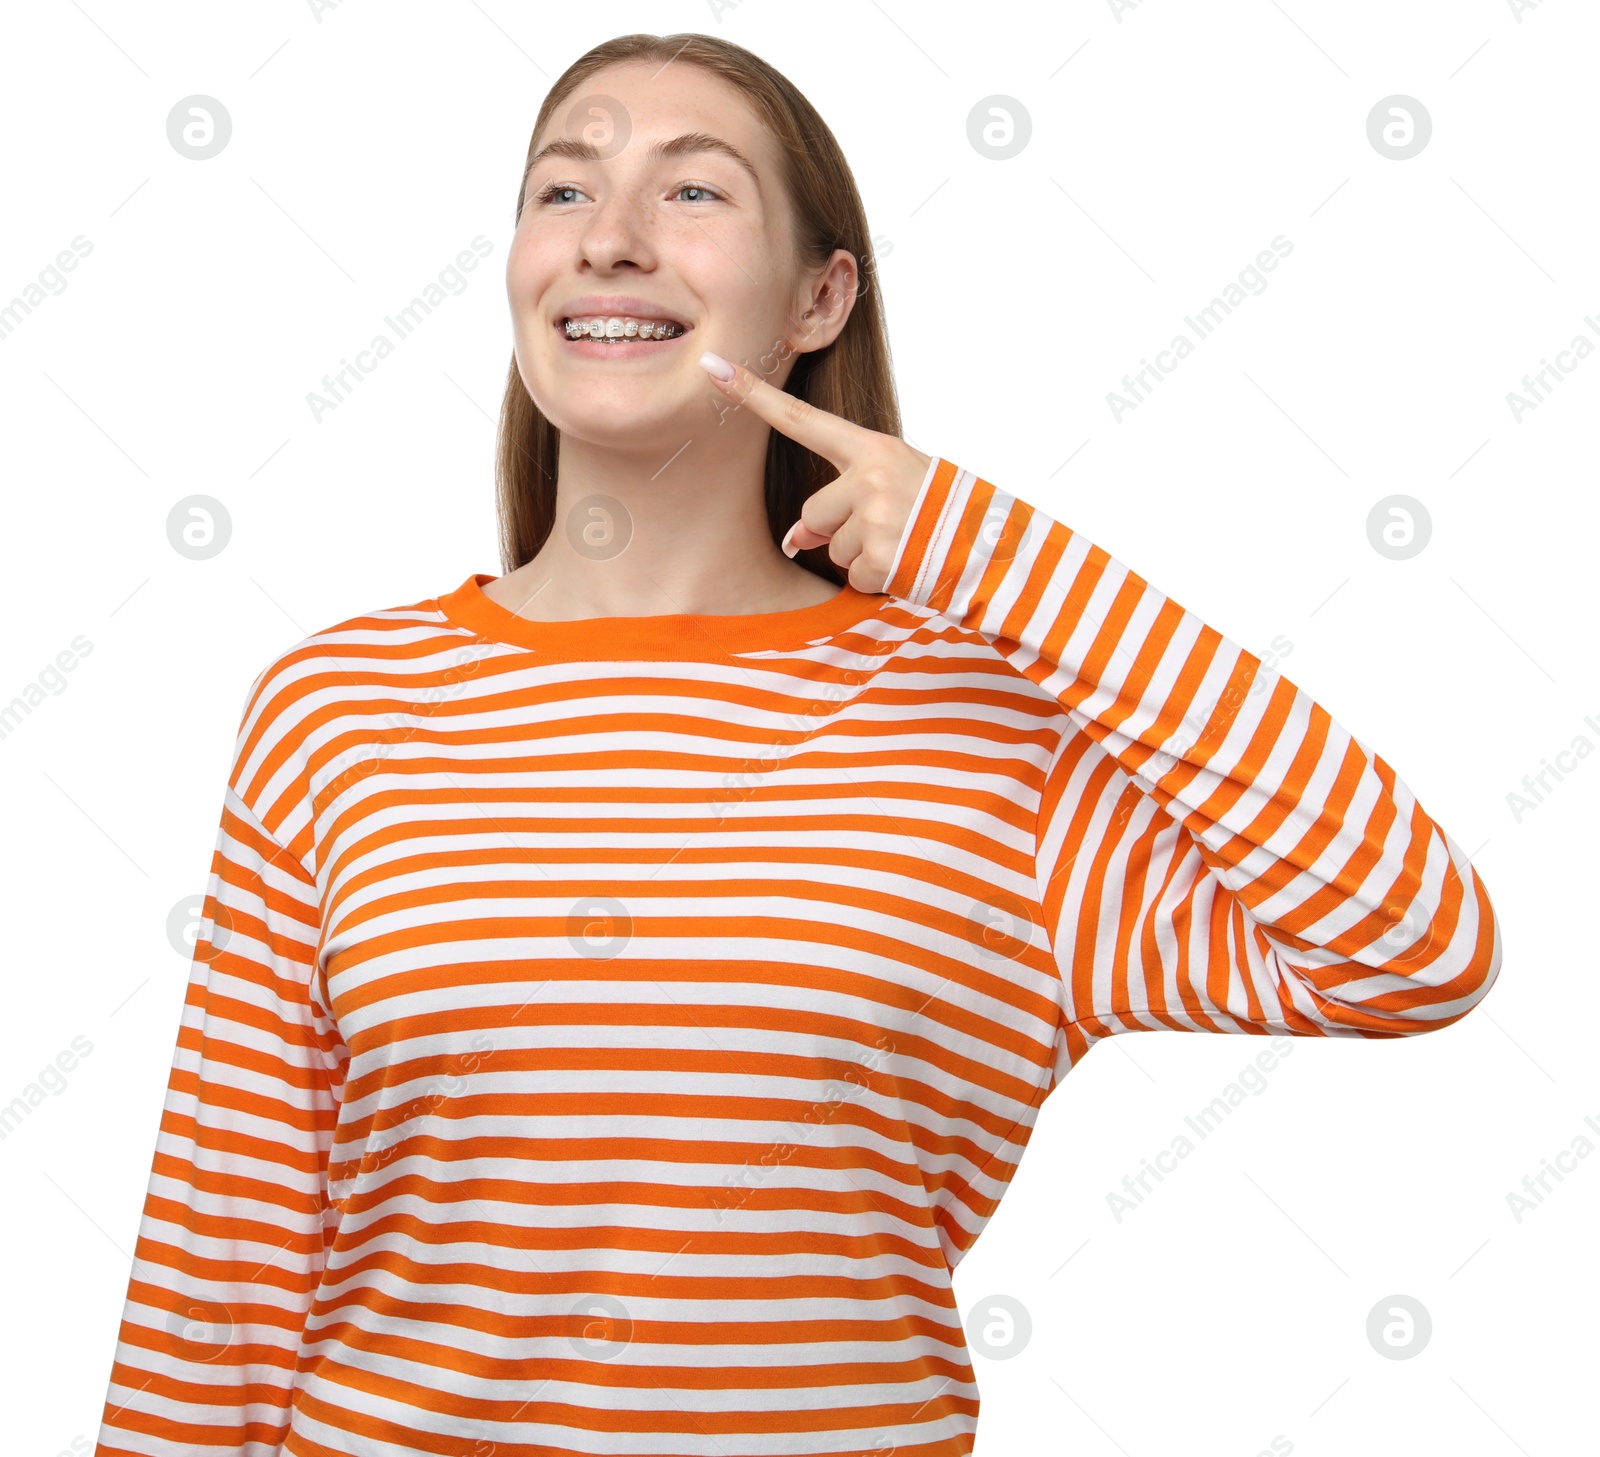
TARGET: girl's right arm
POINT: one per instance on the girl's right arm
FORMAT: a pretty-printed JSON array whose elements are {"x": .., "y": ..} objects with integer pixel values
[{"x": 231, "y": 1239}]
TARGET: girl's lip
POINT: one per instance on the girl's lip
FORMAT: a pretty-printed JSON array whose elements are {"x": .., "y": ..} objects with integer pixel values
[{"x": 625, "y": 305}]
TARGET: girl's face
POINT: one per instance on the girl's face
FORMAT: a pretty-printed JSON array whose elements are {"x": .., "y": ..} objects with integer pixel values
[{"x": 654, "y": 194}]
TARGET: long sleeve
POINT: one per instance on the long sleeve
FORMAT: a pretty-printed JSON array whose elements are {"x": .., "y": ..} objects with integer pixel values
[
  {"x": 231, "y": 1238},
  {"x": 1214, "y": 852}
]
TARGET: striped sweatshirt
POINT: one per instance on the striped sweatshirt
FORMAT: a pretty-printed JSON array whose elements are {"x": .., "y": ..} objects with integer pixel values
[{"x": 607, "y": 1037}]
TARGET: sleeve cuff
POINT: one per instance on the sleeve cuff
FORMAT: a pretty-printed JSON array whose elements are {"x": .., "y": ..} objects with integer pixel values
[{"x": 911, "y": 576}]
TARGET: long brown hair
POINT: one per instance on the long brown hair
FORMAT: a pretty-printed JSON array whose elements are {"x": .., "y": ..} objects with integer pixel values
[{"x": 850, "y": 377}]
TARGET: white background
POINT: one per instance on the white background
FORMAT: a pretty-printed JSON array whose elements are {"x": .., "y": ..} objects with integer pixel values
[{"x": 1170, "y": 144}]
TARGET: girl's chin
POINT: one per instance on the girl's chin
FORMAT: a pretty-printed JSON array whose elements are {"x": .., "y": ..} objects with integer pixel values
[{"x": 622, "y": 417}]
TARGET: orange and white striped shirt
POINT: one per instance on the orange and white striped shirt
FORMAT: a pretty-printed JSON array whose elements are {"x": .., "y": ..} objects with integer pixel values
[{"x": 607, "y": 1037}]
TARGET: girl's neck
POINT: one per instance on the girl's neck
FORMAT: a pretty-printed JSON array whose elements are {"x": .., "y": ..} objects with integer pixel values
[{"x": 646, "y": 532}]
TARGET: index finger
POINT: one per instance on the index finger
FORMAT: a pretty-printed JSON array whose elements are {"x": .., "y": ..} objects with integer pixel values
[{"x": 834, "y": 438}]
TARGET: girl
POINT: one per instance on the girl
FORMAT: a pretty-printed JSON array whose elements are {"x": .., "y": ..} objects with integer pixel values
[{"x": 629, "y": 983}]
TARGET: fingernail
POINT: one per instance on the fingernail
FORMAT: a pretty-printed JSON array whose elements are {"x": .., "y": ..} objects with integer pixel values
[
  {"x": 716, "y": 365},
  {"x": 789, "y": 547}
]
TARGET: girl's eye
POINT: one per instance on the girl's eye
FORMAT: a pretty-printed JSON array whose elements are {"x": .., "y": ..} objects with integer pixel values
[
  {"x": 696, "y": 187},
  {"x": 546, "y": 194}
]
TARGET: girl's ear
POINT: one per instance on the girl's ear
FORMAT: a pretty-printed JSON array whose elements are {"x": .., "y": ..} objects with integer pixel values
[{"x": 830, "y": 305}]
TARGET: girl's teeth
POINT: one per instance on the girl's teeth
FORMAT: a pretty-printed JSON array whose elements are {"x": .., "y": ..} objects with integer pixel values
[{"x": 615, "y": 328}]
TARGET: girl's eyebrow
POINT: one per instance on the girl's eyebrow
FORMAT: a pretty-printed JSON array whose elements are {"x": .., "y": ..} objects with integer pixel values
[{"x": 578, "y": 150}]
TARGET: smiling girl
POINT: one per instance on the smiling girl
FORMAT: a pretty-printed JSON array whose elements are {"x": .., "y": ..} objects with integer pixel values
[{"x": 629, "y": 983}]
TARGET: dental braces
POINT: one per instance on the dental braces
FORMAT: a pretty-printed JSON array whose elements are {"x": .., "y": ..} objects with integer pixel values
[{"x": 613, "y": 329}]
